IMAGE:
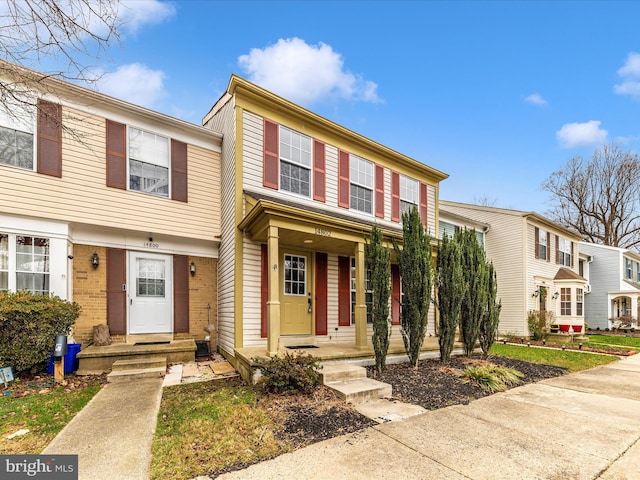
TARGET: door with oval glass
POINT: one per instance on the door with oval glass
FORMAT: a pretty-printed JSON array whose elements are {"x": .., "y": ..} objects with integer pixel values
[{"x": 295, "y": 293}]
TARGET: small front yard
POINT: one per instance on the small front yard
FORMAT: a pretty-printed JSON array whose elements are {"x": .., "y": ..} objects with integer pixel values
[
  {"x": 39, "y": 408},
  {"x": 616, "y": 340}
]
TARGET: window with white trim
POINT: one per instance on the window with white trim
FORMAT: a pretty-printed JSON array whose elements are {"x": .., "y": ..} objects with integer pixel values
[
  {"x": 24, "y": 263},
  {"x": 295, "y": 162},
  {"x": 149, "y": 161},
  {"x": 17, "y": 135},
  {"x": 543, "y": 250},
  {"x": 564, "y": 252},
  {"x": 565, "y": 301},
  {"x": 361, "y": 188},
  {"x": 409, "y": 194},
  {"x": 368, "y": 293},
  {"x": 629, "y": 267},
  {"x": 579, "y": 301}
]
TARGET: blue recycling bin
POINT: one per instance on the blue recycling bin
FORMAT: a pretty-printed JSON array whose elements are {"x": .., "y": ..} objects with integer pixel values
[{"x": 70, "y": 360}]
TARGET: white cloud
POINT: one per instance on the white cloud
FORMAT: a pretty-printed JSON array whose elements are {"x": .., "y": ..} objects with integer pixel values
[
  {"x": 305, "y": 73},
  {"x": 630, "y": 74},
  {"x": 136, "y": 13},
  {"x": 535, "y": 99},
  {"x": 581, "y": 134},
  {"x": 134, "y": 83}
]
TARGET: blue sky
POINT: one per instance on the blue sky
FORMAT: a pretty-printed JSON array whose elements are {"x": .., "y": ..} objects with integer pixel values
[{"x": 496, "y": 94}]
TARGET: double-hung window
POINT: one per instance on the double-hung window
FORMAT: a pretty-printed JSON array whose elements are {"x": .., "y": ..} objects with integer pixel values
[
  {"x": 565, "y": 301},
  {"x": 579, "y": 301},
  {"x": 409, "y": 194},
  {"x": 543, "y": 250},
  {"x": 295, "y": 162},
  {"x": 564, "y": 252},
  {"x": 149, "y": 161},
  {"x": 628, "y": 269},
  {"x": 16, "y": 135},
  {"x": 24, "y": 263},
  {"x": 361, "y": 189}
]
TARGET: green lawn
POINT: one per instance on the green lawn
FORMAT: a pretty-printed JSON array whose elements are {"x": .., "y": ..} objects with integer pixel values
[
  {"x": 633, "y": 342},
  {"x": 572, "y": 360},
  {"x": 44, "y": 415}
]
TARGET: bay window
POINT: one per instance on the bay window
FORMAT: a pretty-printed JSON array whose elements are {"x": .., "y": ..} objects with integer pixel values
[
  {"x": 24, "y": 263},
  {"x": 565, "y": 301}
]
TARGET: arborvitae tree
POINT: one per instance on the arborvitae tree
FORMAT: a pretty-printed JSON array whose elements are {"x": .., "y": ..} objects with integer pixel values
[
  {"x": 414, "y": 261},
  {"x": 379, "y": 264},
  {"x": 491, "y": 318},
  {"x": 476, "y": 278},
  {"x": 451, "y": 290}
]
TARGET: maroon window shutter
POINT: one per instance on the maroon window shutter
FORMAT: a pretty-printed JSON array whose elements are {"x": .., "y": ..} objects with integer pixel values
[
  {"x": 549, "y": 247},
  {"x": 270, "y": 165},
  {"x": 116, "y": 293},
  {"x": 557, "y": 249},
  {"x": 536, "y": 232},
  {"x": 395, "y": 294},
  {"x": 344, "y": 291},
  {"x": 264, "y": 289},
  {"x": 319, "y": 171},
  {"x": 180, "y": 294},
  {"x": 116, "y": 155},
  {"x": 178, "y": 171},
  {"x": 321, "y": 293},
  {"x": 379, "y": 191},
  {"x": 49, "y": 138},
  {"x": 395, "y": 196},
  {"x": 424, "y": 205},
  {"x": 343, "y": 179}
]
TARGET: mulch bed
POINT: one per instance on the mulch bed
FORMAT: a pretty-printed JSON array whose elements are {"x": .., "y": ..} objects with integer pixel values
[{"x": 29, "y": 384}]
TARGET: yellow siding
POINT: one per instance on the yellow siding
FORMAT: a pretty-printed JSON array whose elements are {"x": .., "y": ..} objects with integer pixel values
[{"x": 81, "y": 195}]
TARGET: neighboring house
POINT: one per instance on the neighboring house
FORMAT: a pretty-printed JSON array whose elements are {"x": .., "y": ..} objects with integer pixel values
[
  {"x": 536, "y": 262},
  {"x": 299, "y": 196},
  {"x": 614, "y": 284},
  {"x": 113, "y": 206}
]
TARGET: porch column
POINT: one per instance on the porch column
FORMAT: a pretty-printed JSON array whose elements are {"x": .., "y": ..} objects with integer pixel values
[
  {"x": 634, "y": 307},
  {"x": 361, "y": 304},
  {"x": 273, "y": 303}
]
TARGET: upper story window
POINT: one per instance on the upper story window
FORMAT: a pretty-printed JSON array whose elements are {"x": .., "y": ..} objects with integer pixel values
[
  {"x": 24, "y": 263},
  {"x": 409, "y": 194},
  {"x": 295, "y": 162},
  {"x": 564, "y": 252},
  {"x": 16, "y": 136},
  {"x": 361, "y": 188},
  {"x": 149, "y": 161},
  {"x": 541, "y": 245}
]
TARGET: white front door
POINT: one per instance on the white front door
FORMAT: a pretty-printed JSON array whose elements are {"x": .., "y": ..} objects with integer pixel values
[{"x": 150, "y": 293}]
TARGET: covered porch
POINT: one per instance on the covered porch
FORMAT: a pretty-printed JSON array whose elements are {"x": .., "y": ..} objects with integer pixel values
[{"x": 623, "y": 308}]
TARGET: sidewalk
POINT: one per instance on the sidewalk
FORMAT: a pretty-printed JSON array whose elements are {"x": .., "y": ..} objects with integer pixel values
[{"x": 584, "y": 425}]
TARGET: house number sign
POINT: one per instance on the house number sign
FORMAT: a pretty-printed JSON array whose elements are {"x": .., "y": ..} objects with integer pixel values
[
  {"x": 323, "y": 233},
  {"x": 151, "y": 245}
]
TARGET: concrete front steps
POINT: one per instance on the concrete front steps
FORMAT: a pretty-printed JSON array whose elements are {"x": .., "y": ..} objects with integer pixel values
[
  {"x": 351, "y": 384},
  {"x": 136, "y": 368}
]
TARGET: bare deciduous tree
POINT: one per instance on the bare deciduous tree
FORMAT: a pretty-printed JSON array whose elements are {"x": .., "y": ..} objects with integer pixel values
[
  {"x": 71, "y": 32},
  {"x": 599, "y": 198}
]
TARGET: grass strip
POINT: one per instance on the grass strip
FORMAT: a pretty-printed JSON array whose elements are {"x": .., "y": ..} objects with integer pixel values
[
  {"x": 633, "y": 342},
  {"x": 44, "y": 415},
  {"x": 572, "y": 360}
]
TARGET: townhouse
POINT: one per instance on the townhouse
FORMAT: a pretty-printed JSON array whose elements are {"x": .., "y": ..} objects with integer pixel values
[
  {"x": 300, "y": 195},
  {"x": 537, "y": 264},
  {"x": 113, "y": 206}
]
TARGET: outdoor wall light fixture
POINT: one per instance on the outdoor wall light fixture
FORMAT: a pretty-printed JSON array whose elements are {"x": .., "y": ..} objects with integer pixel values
[
  {"x": 536, "y": 293},
  {"x": 192, "y": 269},
  {"x": 95, "y": 260},
  {"x": 555, "y": 295}
]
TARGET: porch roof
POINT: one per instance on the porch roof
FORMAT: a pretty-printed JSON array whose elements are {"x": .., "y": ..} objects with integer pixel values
[{"x": 568, "y": 274}]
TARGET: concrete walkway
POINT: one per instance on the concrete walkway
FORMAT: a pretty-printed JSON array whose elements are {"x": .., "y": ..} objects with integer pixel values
[
  {"x": 580, "y": 426},
  {"x": 112, "y": 434}
]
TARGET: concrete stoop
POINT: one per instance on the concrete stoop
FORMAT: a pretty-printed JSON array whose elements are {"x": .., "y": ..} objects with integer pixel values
[
  {"x": 133, "y": 369},
  {"x": 351, "y": 384}
]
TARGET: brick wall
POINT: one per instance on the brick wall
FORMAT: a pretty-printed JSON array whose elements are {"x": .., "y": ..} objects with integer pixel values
[
  {"x": 89, "y": 291},
  {"x": 203, "y": 292}
]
